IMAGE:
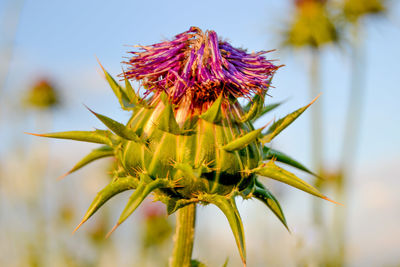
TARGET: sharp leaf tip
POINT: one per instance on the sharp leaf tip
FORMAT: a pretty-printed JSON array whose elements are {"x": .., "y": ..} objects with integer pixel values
[
  {"x": 334, "y": 202},
  {"x": 112, "y": 230},
  {"x": 35, "y": 134},
  {"x": 79, "y": 225},
  {"x": 315, "y": 99},
  {"x": 63, "y": 176}
]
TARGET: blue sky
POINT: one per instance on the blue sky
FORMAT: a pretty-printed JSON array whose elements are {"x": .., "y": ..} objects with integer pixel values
[{"x": 61, "y": 40}]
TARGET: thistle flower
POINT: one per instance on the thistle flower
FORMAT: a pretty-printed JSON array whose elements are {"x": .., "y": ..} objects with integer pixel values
[
  {"x": 195, "y": 68},
  {"x": 311, "y": 25},
  {"x": 189, "y": 141},
  {"x": 42, "y": 95}
]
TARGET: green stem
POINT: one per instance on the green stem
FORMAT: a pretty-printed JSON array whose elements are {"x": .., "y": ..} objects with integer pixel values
[{"x": 184, "y": 236}]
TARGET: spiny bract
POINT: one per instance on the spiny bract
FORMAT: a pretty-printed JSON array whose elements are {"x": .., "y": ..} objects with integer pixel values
[{"x": 189, "y": 140}]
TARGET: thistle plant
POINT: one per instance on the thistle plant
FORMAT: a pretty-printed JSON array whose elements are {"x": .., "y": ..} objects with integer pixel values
[{"x": 189, "y": 140}]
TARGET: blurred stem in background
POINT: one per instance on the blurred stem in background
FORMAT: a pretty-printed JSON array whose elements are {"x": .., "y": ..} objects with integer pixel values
[
  {"x": 316, "y": 128},
  {"x": 312, "y": 28},
  {"x": 11, "y": 17},
  {"x": 350, "y": 139},
  {"x": 8, "y": 29},
  {"x": 356, "y": 100},
  {"x": 353, "y": 11},
  {"x": 38, "y": 243},
  {"x": 40, "y": 206}
]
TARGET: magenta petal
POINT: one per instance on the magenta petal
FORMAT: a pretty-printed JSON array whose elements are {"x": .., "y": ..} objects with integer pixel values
[{"x": 197, "y": 64}]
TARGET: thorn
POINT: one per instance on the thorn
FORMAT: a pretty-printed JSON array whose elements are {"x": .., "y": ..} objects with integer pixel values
[
  {"x": 209, "y": 163},
  {"x": 112, "y": 230},
  {"x": 35, "y": 134},
  {"x": 98, "y": 61},
  {"x": 315, "y": 99},
  {"x": 268, "y": 123},
  {"x": 290, "y": 232},
  {"x": 63, "y": 176},
  {"x": 124, "y": 74},
  {"x": 94, "y": 113},
  {"x": 172, "y": 162},
  {"x": 79, "y": 225},
  {"x": 177, "y": 180},
  {"x": 334, "y": 202}
]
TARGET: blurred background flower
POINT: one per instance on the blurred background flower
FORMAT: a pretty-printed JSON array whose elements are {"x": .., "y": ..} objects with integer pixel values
[
  {"x": 42, "y": 95},
  {"x": 61, "y": 39},
  {"x": 311, "y": 25},
  {"x": 356, "y": 9}
]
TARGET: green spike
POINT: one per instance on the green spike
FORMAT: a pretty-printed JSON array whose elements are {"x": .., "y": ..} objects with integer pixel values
[
  {"x": 267, "y": 109},
  {"x": 268, "y": 199},
  {"x": 251, "y": 103},
  {"x": 141, "y": 192},
  {"x": 214, "y": 113},
  {"x": 171, "y": 205},
  {"x": 254, "y": 107},
  {"x": 242, "y": 142},
  {"x": 196, "y": 263},
  {"x": 118, "y": 128},
  {"x": 269, "y": 153},
  {"x": 166, "y": 121},
  {"x": 186, "y": 169},
  {"x": 232, "y": 214},
  {"x": 97, "y": 136},
  {"x": 175, "y": 204},
  {"x": 281, "y": 124},
  {"x": 134, "y": 98},
  {"x": 124, "y": 101},
  {"x": 113, "y": 188},
  {"x": 164, "y": 98},
  {"x": 190, "y": 124},
  {"x": 98, "y": 153},
  {"x": 272, "y": 171}
]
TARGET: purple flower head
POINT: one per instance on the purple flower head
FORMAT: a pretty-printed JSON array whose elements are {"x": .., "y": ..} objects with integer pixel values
[{"x": 196, "y": 67}]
